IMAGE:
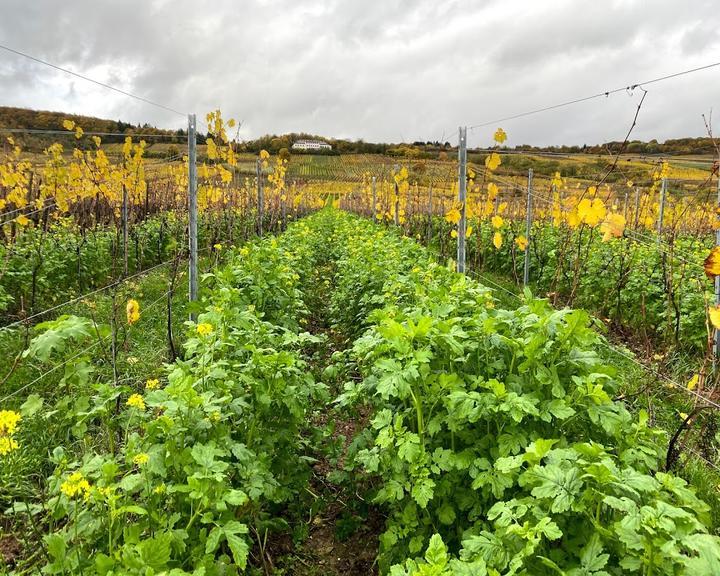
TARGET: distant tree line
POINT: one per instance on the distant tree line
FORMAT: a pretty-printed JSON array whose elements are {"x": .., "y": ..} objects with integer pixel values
[
  {"x": 672, "y": 147},
  {"x": 43, "y": 120}
]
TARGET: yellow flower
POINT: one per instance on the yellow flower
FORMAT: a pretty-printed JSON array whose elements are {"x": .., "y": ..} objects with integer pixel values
[
  {"x": 22, "y": 220},
  {"x": 521, "y": 243},
  {"x": 160, "y": 489},
  {"x": 136, "y": 401},
  {"x": 497, "y": 221},
  {"x": 8, "y": 422},
  {"x": 500, "y": 136},
  {"x": 133, "y": 311},
  {"x": 7, "y": 445},
  {"x": 204, "y": 328},
  {"x": 75, "y": 485},
  {"x": 104, "y": 491},
  {"x": 68, "y": 125},
  {"x": 141, "y": 459},
  {"x": 152, "y": 383},
  {"x": 217, "y": 247}
]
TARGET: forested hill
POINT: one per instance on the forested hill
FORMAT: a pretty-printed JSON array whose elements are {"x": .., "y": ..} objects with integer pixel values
[{"x": 32, "y": 120}]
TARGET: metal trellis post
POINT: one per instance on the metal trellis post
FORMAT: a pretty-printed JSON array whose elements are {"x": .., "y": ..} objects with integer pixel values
[
  {"x": 528, "y": 227},
  {"x": 625, "y": 206},
  {"x": 397, "y": 196},
  {"x": 125, "y": 228},
  {"x": 260, "y": 198},
  {"x": 717, "y": 278},
  {"x": 661, "y": 212},
  {"x": 462, "y": 195},
  {"x": 430, "y": 215},
  {"x": 283, "y": 206},
  {"x": 192, "y": 209}
]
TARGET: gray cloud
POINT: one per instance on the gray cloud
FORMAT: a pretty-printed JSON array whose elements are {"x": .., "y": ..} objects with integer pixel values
[{"x": 378, "y": 69}]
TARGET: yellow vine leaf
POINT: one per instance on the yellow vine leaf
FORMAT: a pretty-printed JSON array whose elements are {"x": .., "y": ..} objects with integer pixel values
[
  {"x": 492, "y": 191},
  {"x": 133, "y": 311},
  {"x": 500, "y": 136},
  {"x": 212, "y": 151},
  {"x": 714, "y": 313},
  {"x": 401, "y": 176},
  {"x": 468, "y": 232},
  {"x": 497, "y": 240},
  {"x": 693, "y": 382},
  {"x": 68, "y": 125},
  {"x": 453, "y": 216},
  {"x": 497, "y": 221},
  {"x": 556, "y": 181},
  {"x": 712, "y": 262},
  {"x": 493, "y": 161},
  {"x": 613, "y": 227},
  {"x": 591, "y": 212},
  {"x": 453, "y": 234},
  {"x": 521, "y": 242}
]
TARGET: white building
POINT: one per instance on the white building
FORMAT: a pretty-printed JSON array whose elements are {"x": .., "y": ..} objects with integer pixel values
[{"x": 311, "y": 145}]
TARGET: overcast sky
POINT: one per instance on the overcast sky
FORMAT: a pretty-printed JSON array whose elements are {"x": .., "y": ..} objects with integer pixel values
[{"x": 381, "y": 70}]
